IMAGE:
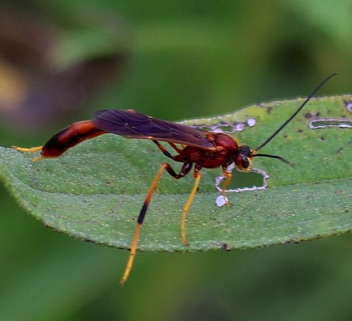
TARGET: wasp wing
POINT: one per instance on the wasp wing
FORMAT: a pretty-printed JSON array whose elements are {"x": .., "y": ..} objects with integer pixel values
[{"x": 132, "y": 124}]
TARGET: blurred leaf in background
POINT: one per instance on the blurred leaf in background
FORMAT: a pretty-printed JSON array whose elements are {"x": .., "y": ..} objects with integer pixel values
[
  {"x": 185, "y": 59},
  {"x": 48, "y": 74}
]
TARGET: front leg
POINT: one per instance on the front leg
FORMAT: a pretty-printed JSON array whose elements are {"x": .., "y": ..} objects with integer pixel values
[{"x": 227, "y": 174}]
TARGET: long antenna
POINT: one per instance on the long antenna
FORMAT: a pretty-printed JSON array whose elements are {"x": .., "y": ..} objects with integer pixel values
[
  {"x": 273, "y": 156},
  {"x": 296, "y": 112}
]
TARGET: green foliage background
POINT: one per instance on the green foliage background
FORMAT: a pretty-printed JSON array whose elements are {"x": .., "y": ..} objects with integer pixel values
[{"x": 189, "y": 59}]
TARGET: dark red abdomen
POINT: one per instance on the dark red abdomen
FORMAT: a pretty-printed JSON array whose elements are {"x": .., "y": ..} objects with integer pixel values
[{"x": 69, "y": 137}]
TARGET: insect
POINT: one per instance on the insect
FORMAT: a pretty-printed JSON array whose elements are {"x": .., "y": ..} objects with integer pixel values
[{"x": 194, "y": 149}]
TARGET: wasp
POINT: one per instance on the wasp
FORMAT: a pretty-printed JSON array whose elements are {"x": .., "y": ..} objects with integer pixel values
[{"x": 194, "y": 148}]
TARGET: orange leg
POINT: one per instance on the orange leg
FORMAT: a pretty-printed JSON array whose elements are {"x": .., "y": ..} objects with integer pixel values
[
  {"x": 30, "y": 150},
  {"x": 188, "y": 204},
  {"x": 133, "y": 249},
  {"x": 225, "y": 184}
]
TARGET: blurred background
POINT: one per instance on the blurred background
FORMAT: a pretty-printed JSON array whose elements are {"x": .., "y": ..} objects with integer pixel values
[{"x": 61, "y": 60}]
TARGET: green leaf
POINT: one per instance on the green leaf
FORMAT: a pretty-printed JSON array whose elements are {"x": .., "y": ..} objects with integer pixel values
[{"x": 95, "y": 190}]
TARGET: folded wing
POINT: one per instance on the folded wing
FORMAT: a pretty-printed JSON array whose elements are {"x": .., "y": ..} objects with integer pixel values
[{"x": 132, "y": 124}]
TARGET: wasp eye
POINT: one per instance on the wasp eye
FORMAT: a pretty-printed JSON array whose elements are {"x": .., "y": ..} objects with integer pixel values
[{"x": 245, "y": 162}]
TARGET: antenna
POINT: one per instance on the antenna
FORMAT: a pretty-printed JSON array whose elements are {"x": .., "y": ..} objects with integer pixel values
[
  {"x": 273, "y": 156},
  {"x": 295, "y": 113}
]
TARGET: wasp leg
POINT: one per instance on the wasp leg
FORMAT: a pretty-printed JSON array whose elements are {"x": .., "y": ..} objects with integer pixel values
[
  {"x": 133, "y": 249},
  {"x": 188, "y": 204},
  {"x": 228, "y": 178},
  {"x": 163, "y": 149},
  {"x": 175, "y": 147},
  {"x": 30, "y": 150}
]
